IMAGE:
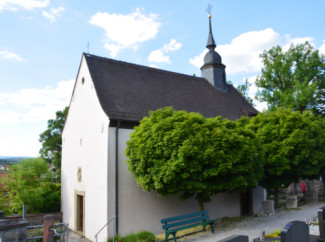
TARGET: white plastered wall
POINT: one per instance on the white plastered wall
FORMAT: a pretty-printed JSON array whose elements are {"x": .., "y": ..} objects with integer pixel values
[
  {"x": 84, "y": 145},
  {"x": 139, "y": 210}
]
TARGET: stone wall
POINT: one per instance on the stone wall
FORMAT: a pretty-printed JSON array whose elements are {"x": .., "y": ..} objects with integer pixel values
[
  {"x": 12, "y": 229},
  {"x": 37, "y": 219}
]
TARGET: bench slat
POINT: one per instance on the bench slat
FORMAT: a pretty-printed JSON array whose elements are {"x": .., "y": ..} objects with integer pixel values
[
  {"x": 171, "y": 219},
  {"x": 190, "y": 226},
  {"x": 173, "y": 224},
  {"x": 184, "y": 222}
]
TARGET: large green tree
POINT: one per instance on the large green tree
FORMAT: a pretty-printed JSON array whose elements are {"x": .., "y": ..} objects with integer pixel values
[
  {"x": 185, "y": 154},
  {"x": 294, "y": 145},
  {"x": 30, "y": 183},
  {"x": 51, "y": 139},
  {"x": 293, "y": 79}
]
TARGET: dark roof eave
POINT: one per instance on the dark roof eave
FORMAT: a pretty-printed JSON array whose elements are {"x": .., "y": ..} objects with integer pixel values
[{"x": 123, "y": 123}]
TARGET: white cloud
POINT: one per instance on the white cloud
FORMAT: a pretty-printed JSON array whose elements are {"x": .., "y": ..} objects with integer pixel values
[
  {"x": 53, "y": 13},
  {"x": 159, "y": 55},
  {"x": 296, "y": 41},
  {"x": 172, "y": 46},
  {"x": 32, "y": 105},
  {"x": 322, "y": 48},
  {"x": 5, "y": 54},
  {"x": 14, "y": 5},
  {"x": 242, "y": 54},
  {"x": 126, "y": 31},
  {"x": 198, "y": 60}
]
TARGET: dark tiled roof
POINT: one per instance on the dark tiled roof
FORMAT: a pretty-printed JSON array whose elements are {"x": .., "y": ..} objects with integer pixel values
[{"x": 128, "y": 92}]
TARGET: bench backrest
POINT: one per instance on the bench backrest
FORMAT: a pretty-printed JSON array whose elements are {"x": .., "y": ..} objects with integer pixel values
[{"x": 185, "y": 219}]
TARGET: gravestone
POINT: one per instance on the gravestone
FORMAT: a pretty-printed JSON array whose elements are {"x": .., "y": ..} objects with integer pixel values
[
  {"x": 321, "y": 224},
  {"x": 268, "y": 207},
  {"x": 295, "y": 231},
  {"x": 291, "y": 201},
  {"x": 236, "y": 238}
]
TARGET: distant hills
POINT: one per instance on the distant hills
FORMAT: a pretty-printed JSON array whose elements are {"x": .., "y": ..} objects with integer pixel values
[{"x": 11, "y": 159}]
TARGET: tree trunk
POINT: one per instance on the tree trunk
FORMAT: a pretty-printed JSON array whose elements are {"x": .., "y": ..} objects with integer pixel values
[{"x": 201, "y": 205}]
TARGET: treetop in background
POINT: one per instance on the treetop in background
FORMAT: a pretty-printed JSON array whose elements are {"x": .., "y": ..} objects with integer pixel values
[
  {"x": 51, "y": 139},
  {"x": 293, "y": 79}
]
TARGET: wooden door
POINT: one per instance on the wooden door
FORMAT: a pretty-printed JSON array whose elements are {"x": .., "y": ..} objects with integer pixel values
[{"x": 80, "y": 211}]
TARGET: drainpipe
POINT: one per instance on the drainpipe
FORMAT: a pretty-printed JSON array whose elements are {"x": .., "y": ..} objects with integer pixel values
[{"x": 116, "y": 175}]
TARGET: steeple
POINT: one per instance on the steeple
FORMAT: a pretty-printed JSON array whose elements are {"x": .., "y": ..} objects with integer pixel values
[
  {"x": 213, "y": 70},
  {"x": 210, "y": 44}
]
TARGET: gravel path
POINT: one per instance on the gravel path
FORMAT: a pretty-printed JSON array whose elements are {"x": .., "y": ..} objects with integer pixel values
[{"x": 253, "y": 226}]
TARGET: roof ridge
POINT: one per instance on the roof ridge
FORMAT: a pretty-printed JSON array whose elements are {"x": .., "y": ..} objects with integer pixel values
[{"x": 140, "y": 66}]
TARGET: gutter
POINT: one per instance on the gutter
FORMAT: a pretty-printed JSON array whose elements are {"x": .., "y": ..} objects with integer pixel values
[{"x": 116, "y": 175}]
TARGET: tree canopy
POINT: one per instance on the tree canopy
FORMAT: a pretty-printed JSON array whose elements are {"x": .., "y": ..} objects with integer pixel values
[
  {"x": 175, "y": 152},
  {"x": 29, "y": 183},
  {"x": 294, "y": 144},
  {"x": 51, "y": 139},
  {"x": 293, "y": 79}
]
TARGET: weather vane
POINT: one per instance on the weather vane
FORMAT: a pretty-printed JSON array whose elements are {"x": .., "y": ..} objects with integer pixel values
[{"x": 209, "y": 8}]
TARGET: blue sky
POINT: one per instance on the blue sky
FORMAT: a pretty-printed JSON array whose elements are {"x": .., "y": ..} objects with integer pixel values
[{"x": 41, "y": 43}]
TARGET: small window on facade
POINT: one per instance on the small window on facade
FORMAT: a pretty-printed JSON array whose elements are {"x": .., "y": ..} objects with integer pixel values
[{"x": 83, "y": 81}]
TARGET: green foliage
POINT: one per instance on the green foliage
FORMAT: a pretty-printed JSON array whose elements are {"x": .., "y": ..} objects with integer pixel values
[
  {"x": 142, "y": 236},
  {"x": 10, "y": 160},
  {"x": 175, "y": 152},
  {"x": 275, "y": 234},
  {"x": 51, "y": 139},
  {"x": 243, "y": 89},
  {"x": 293, "y": 79},
  {"x": 29, "y": 183},
  {"x": 145, "y": 236},
  {"x": 117, "y": 238},
  {"x": 130, "y": 238},
  {"x": 4, "y": 198},
  {"x": 294, "y": 145}
]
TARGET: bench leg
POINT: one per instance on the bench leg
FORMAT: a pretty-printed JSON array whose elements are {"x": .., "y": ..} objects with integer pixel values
[
  {"x": 174, "y": 235},
  {"x": 212, "y": 227},
  {"x": 166, "y": 236}
]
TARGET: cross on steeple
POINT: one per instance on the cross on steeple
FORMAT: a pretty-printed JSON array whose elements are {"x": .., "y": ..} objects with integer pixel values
[{"x": 209, "y": 8}]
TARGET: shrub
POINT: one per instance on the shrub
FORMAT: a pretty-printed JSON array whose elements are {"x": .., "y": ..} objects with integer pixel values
[
  {"x": 130, "y": 238},
  {"x": 145, "y": 236},
  {"x": 142, "y": 236},
  {"x": 117, "y": 238}
]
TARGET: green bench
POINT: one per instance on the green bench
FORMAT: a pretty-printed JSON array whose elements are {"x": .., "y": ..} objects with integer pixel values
[{"x": 174, "y": 224}]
